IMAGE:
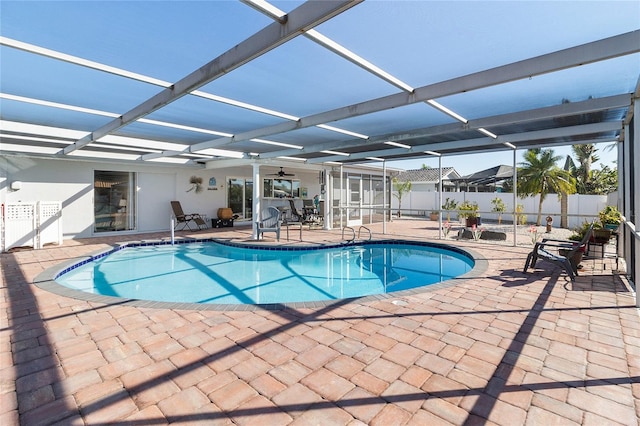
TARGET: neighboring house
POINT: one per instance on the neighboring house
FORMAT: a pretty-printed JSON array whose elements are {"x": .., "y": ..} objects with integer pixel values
[
  {"x": 488, "y": 180},
  {"x": 426, "y": 180}
]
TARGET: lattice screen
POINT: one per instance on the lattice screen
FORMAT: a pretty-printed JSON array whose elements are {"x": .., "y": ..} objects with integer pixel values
[
  {"x": 32, "y": 224},
  {"x": 49, "y": 222}
]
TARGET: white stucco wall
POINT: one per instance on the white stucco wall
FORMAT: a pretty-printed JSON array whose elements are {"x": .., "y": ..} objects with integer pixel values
[{"x": 72, "y": 181}]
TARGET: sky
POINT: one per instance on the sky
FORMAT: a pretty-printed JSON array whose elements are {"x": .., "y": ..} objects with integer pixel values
[
  {"x": 467, "y": 164},
  {"x": 141, "y": 43}
]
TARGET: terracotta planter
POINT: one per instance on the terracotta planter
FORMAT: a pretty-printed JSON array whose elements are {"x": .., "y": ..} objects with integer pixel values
[
  {"x": 600, "y": 236},
  {"x": 225, "y": 213},
  {"x": 470, "y": 221}
]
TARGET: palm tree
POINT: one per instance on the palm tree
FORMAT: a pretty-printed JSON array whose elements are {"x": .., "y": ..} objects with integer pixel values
[
  {"x": 540, "y": 175},
  {"x": 400, "y": 187},
  {"x": 586, "y": 157}
]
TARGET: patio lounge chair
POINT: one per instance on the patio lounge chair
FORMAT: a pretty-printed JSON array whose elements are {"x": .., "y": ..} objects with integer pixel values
[
  {"x": 184, "y": 220},
  {"x": 295, "y": 214},
  {"x": 568, "y": 253},
  {"x": 270, "y": 222},
  {"x": 310, "y": 211}
]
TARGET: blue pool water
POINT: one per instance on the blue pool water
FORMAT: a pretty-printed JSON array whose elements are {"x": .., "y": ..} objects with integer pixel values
[{"x": 217, "y": 273}]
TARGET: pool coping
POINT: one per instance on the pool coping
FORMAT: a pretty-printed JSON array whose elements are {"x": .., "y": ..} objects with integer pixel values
[{"x": 46, "y": 279}]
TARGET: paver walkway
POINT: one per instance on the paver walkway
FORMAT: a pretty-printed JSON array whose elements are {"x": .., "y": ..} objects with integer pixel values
[{"x": 505, "y": 348}]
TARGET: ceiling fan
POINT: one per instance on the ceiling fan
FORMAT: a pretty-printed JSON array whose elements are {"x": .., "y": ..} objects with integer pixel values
[{"x": 281, "y": 173}]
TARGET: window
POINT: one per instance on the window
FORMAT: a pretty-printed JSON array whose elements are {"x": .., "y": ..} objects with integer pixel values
[{"x": 281, "y": 188}]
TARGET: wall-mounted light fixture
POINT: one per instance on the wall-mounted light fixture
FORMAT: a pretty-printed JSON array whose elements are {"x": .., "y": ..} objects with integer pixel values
[{"x": 16, "y": 185}]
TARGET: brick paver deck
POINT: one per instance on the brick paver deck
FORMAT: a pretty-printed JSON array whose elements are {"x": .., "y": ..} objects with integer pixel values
[{"x": 506, "y": 348}]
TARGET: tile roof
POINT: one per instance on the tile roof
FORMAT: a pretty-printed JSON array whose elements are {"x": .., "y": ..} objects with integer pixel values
[{"x": 427, "y": 175}]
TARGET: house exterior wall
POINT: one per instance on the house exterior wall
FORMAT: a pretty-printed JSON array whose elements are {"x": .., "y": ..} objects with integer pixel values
[{"x": 72, "y": 183}]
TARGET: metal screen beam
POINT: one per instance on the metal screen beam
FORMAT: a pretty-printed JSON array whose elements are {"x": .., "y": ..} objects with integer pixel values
[
  {"x": 562, "y": 110},
  {"x": 298, "y": 21},
  {"x": 561, "y": 132},
  {"x": 612, "y": 47}
]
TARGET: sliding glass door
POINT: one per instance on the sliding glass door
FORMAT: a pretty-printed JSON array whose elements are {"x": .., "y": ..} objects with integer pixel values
[
  {"x": 240, "y": 196},
  {"x": 114, "y": 201}
]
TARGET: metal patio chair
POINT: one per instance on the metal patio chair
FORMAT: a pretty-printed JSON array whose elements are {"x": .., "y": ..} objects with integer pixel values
[{"x": 185, "y": 220}]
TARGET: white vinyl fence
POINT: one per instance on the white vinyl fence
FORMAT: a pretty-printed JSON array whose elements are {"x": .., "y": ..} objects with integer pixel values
[{"x": 580, "y": 207}]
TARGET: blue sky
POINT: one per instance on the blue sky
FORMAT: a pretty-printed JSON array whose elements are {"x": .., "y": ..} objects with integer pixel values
[{"x": 441, "y": 40}]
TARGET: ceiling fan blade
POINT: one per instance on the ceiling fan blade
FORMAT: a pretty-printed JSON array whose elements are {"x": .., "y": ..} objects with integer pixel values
[{"x": 281, "y": 173}]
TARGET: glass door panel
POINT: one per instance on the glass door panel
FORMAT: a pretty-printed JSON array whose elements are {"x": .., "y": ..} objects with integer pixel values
[
  {"x": 235, "y": 194},
  {"x": 248, "y": 199},
  {"x": 240, "y": 196},
  {"x": 114, "y": 199}
]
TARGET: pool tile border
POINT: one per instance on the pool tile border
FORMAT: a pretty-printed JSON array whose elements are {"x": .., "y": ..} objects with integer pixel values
[{"x": 46, "y": 279}]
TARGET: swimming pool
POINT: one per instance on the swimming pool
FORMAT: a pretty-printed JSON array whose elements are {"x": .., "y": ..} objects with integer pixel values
[{"x": 215, "y": 273}]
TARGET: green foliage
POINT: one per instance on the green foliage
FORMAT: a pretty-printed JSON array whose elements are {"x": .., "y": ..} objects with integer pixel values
[
  {"x": 603, "y": 181},
  {"x": 468, "y": 209},
  {"x": 401, "y": 187},
  {"x": 541, "y": 176},
  {"x": 449, "y": 205},
  {"x": 611, "y": 215},
  {"x": 498, "y": 205},
  {"x": 591, "y": 181},
  {"x": 520, "y": 218},
  {"x": 586, "y": 157},
  {"x": 580, "y": 231}
]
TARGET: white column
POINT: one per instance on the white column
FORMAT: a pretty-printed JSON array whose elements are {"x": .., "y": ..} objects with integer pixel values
[
  {"x": 634, "y": 188},
  {"x": 440, "y": 198},
  {"x": 384, "y": 197},
  {"x": 257, "y": 192},
  {"x": 327, "y": 197},
  {"x": 342, "y": 210},
  {"x": 515, "y": 199}
]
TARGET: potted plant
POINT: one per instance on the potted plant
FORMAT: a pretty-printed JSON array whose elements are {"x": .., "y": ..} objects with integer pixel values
[
  {"x": 610, "y": 217},
  {"x": 498, "y": 207},
  {"x": 434, "y": 215},
  {"x": 469, "y": 211},
  {"x": 600, "y": 235},
  {"x": 449, "y": 205}
]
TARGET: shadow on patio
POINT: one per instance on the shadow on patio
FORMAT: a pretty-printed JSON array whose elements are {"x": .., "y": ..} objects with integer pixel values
[{"x": 505, "y": 348}]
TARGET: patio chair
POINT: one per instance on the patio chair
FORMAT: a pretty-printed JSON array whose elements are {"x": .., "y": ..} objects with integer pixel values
[
  {"x": 184, "y": 220},
  {"x": 568, "y": 256},
  {"x": 271, "y": 221},
  {"x": 310, "y": 211},
  {"x": 296, "y": 215}
]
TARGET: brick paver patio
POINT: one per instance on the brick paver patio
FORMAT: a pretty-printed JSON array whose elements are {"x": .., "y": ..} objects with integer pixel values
[{"x": 505, "y": 348}]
